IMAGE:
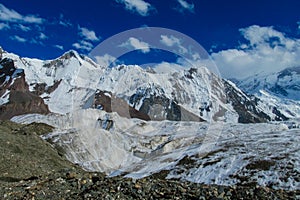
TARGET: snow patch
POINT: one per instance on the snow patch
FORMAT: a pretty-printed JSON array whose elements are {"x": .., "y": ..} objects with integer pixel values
[{"x": 4, "y": 99}]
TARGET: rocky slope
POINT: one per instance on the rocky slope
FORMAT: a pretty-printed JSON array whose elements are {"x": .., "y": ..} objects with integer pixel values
[{"x": 24, "y": 155}]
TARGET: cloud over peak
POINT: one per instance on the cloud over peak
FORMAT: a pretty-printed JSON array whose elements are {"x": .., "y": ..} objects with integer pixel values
[
  {"x": 83, "y": 45},
  {"x": 257, "y": 35},
  {"x": 87, "y": 37},
  {"x": 88, "y": 34},
  {"x": 172, "y": 41},
  {"x": 136, "y": 44},
  {"x": 267, "y": 51}
]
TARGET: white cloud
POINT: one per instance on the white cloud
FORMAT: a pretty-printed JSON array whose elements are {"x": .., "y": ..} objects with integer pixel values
[
  {"x": 267, "y": 51},
  {"x": 257, "y": 35},
  {"x": 59, "y": 47},
  {"x": 83, "y": 45},
  {"x": 172, "y": 41},
  {"x": 4, "y": 26},
  {"x": 140, "y": 6},
  {"x": 10, "y": 15},
  {"x": 18, "y": 38},
  {"x": 42, "y": 36},
  {"x": 186, "y": 6},
  {"x": 136, "y": 44},
  {"x": 88, "y": 34},
  {"x": 169, "y": 40},
  {"x": 36, "y": 41},
  {"x": 23, "y": 28},
  {"x": 62, "y": 21},
  {"x": 166, "y": 67},
  {"x": 77, "y": 45},
  {"x": 105, "y": 60}
]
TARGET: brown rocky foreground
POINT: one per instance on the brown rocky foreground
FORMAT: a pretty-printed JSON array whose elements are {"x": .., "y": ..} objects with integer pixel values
[{"x": 31, "y": 168}]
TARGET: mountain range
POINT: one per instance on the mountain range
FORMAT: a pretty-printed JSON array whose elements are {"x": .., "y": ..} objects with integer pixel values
[
  {"x": 135, "y": 121},
  {"x": 74, "y": 81}
]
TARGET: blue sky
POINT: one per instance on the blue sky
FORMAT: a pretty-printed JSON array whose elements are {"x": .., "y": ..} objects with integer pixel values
[{"x": 230, "y": 31}]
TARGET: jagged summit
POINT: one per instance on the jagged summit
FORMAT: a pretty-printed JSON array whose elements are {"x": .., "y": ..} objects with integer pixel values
[{"x": 71, "y": 53}]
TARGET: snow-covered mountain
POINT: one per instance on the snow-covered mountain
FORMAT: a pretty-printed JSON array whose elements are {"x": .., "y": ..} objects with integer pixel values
[
  {"x": 284, "y": 84},
  {"x": 276, "y": 92},
  {"x": 134, "y": 121},
  {"x": 73, "y": 82}
]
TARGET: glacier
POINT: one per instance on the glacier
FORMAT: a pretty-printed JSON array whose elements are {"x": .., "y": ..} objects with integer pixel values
[{"x": 201, "y": 152}]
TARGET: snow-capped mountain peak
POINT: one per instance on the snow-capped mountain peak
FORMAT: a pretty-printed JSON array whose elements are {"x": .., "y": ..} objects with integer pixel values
[
  {"x": 70, "y": 82},
  {"x": 284, "y": 84},
  {"x": 278, "y": 93}
]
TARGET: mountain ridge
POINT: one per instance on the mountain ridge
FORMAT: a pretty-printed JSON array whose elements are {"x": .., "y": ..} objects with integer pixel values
[
  {"x": 70, "y": 82},
  {"x": 283, "y": 84}
]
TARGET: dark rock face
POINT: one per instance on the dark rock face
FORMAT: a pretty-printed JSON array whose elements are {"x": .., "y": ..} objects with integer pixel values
[
  {"x": 7, "y": 69},
  {"x": 41, "y": 88},
  {"x": 21, "y": 100},
  {"x": 159, "y": 107},
  {"x": 279, "y": 115},
  {"x": 245, "y": 106},
  {"x": 8, "y": 66},
  {"x": 279, "y": 90},
  {"x": 107, "y": 101},
  {"x": 289, "y": 72}
]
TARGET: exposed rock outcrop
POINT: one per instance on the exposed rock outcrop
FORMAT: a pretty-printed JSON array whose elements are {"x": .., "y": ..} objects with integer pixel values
[{"x": 20, "y": 100}]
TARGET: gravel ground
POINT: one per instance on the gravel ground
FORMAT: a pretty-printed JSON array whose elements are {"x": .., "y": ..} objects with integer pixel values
[{"x": 71, "y": 184}]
